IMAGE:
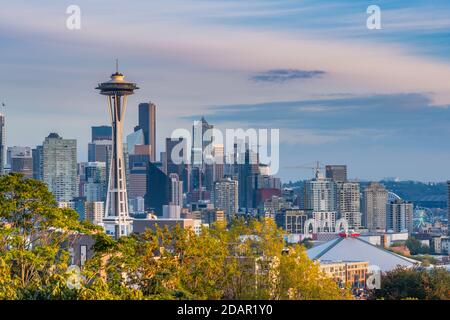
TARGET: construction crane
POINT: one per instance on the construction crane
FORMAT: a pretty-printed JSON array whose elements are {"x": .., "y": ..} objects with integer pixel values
[{"x": 315, "y": 169}]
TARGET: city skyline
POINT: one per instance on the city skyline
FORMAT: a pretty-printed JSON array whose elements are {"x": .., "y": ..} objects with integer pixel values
[
  {"x": 225, "y": 150},
  {"x": 335, "y": 93}
]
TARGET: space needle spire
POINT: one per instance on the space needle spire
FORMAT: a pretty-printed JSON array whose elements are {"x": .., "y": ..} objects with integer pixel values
[{"x": 117, "y": 221}]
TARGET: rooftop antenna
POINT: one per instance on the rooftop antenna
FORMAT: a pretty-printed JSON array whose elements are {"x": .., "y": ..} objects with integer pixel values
[{"x": 117, "y": 65}]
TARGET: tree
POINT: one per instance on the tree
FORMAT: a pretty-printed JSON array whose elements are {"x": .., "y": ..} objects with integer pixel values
[
  {"x": 246, "y": 260},
  {"x": 33, "y": 231},
  {"x": 418, "y": 283},
  {"x": 416, "y": 247}
]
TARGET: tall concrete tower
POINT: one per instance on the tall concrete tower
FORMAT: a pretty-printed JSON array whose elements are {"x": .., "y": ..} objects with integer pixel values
[{"x": 117, "y": 221}]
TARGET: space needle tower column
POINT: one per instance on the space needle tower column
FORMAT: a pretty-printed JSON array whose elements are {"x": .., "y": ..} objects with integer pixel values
[{"x": 117, "y": 221}]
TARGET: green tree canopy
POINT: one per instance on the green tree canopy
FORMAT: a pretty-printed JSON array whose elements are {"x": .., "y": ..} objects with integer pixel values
[
  {"x": 33, "y": 231},
  {"x": 419, "y": 283}
]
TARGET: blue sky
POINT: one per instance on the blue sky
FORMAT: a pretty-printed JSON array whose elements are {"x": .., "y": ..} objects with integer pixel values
[{"x": 376, "y": 100}]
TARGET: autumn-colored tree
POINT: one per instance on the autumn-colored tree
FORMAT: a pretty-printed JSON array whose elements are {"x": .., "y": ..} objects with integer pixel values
[
  {"x": 247, "y": 260},
  {"x": 270, "y": 270}
]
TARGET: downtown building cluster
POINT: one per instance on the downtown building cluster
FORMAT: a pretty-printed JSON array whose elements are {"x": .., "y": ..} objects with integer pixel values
[
  {"x": 204, "y": 191},
  {"x": 124, "y": 186}
]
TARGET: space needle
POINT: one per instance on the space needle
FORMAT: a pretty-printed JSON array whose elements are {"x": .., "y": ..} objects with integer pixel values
[{"x": 117, "y": 221}]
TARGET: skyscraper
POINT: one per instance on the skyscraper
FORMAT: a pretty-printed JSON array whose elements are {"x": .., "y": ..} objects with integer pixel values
[
  {"x": 348, "y": 203},
  {"x": 175, "y": 190},
  {"x": 94, "y": 211},
  {"x": 147, "y": 123},
  {"x": 138, "y": 176},
  {"x": 399, "y": 216},
  {"x": 134, "y": 140},
  {"x": 117, "y": 221},
  {"x": 337, "y": 173},
  {"x": 219, "y": 162},
  {"x": 2, "y": 143},
  {"x": 38, "y": 162},
  {"x": 200, "y": 141},
  {"x": 95, "y": 183},
  {"x": 375, "y": 200},
  {"x": 320, "y": 194},
  {"x": 320, "y": 201},
  {"x": 157, "y": 189},
  {"x": 248, "y": 170},
  {"x": 59, "y": 169},
  {"x": 172, "y": 166},
  {"x": 226, "y": 196}
]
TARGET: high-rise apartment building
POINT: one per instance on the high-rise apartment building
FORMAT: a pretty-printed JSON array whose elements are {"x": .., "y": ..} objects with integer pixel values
[
  {"x": 320, "y": 194},
  {"x": 348, "y": 203},
  {"x": 374, "y": 213},
  {"x": 60, "y": 166},
  {"x": 337, "y": 173},
  {"x": 226, "y": 196},
  {"x": 175, "y": 190},
  {"x": 399, "y": 216},
  {"x": 94, "y": 211}
]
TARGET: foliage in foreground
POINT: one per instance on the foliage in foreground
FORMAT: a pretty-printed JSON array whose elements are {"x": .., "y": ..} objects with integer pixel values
[
  {"x": 418, "y": 283},
  {"x": 245, "y": 261}
]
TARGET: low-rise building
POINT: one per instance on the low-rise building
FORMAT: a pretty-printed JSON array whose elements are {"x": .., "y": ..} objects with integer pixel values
[
  {"x": 350, "y": 274},
  {"x": 350, "y": 247}
]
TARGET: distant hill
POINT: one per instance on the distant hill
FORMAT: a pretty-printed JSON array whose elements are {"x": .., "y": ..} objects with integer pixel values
[
  {"x": 418, "y": 191},
  {"x": 431, "y": 195}
]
